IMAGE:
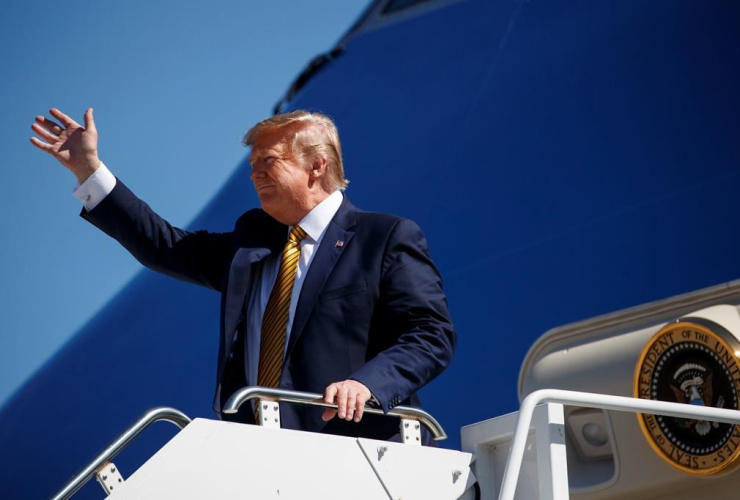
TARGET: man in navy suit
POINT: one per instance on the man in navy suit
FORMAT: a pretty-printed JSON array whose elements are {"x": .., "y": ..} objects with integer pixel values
[{"x": 366, "y": 320}]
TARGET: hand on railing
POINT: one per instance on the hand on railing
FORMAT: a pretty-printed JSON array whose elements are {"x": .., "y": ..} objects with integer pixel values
[{"x": 314, "y": 399}]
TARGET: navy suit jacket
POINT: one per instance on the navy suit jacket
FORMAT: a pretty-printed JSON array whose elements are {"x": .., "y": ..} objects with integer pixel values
[{"x": 371, "y": 309}]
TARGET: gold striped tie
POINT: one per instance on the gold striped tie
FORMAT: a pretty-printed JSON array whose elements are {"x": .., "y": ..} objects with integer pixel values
[{"x": 275, "y": 319}]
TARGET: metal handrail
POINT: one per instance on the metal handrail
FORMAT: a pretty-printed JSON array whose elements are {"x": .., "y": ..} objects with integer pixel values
[
  {"x": 601, "y": 401},
  {"x": 313, "y": 399},
  {"x": 155, "y": 414}
]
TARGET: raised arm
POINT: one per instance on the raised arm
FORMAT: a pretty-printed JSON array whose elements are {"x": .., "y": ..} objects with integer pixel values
[{"x": 199, "y": 257}]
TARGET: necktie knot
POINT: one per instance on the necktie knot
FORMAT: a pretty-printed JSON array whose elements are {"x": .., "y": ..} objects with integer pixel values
[{"x": 296, "y": 234}]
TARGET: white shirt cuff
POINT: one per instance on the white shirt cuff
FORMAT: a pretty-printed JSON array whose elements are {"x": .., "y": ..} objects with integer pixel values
[{"x": 95, "y": 188}]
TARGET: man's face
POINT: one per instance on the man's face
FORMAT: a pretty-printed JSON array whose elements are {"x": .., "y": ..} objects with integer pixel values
[{"x": 282, "y": 184}]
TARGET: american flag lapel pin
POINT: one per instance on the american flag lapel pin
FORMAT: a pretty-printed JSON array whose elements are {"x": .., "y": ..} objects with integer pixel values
[{"x": 339, "y": 244}]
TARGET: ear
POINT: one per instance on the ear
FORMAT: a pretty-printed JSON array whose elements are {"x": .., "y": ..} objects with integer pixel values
[{"x": 318, "y": 168}]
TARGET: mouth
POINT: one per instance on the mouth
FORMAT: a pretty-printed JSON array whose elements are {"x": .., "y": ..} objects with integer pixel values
[{"x": 263, "y": 187}]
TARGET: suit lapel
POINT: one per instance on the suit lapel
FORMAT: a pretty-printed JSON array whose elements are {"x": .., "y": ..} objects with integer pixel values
[
  {"x": 327, "y": 255},
  {"x": 240, "y": 277},
  {"x": 256, "y": 243}
]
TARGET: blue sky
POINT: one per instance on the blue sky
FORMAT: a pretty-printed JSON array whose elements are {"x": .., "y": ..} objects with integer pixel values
[{"x": 174, "y": 86}]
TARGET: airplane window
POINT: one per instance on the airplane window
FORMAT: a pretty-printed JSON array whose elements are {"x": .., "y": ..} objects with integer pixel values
[{"x": 396, "y": 5}]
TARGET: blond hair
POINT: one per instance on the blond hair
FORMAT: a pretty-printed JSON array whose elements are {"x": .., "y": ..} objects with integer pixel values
[{"x": 315, "y": 136}]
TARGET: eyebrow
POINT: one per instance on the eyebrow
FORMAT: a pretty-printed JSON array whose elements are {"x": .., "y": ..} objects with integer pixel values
[{"x": 269, "y": 153}]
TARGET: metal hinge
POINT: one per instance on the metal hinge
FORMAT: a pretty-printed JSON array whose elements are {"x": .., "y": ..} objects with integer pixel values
[
  {"x": 410, "y": 431},
  {"x": 269, "y": 413},
  {"x": 109, "y": 477}
]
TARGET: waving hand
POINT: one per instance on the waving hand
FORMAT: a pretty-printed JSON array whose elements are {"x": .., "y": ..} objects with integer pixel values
[{"x": 74, "y": 146}]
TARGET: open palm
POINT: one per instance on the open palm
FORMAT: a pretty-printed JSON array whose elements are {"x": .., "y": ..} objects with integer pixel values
[{"x": 74, "y": 146}]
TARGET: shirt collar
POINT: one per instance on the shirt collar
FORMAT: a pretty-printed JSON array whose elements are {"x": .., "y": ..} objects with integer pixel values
[{"x": 317, "y": 220}]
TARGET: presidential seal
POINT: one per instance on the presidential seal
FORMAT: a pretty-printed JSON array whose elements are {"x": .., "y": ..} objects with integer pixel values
[{"x": 692, "y": 361}]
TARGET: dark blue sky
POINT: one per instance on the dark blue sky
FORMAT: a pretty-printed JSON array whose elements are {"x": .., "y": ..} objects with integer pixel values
[{"x": 174, "y": 86}]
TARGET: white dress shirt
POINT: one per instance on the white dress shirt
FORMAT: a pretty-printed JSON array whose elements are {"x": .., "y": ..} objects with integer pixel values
[
  {"x": 314, "y": 224},
  {"x": 101, "y": 183}
]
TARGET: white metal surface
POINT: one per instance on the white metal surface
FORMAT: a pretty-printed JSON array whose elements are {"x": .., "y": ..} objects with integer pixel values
[
  {"x": 600, "y": 356},
  {"x": 410, "y": 472},
  {"x": 589, "y": 400},
  {"x": 549, "y": 429},
  {"x": 544, "y": 462},
  {"x": 696, "y": 303},
  {"x": 211, "y": 459}
]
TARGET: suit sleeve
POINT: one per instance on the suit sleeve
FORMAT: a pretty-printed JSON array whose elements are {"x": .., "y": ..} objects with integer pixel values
[
  {"x": 420, "y": 338},
  {"x": 198, "y": 257}
]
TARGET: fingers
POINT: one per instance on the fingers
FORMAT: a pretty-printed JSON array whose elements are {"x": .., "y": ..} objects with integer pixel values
[
  {"x": 329, "y": 413},
  {"x": 338, "y": 391},
  {"x": 329, "y": 394},
  {"x": 49, "y": 125},
  {"x": 46, "y": 135},
  {"x": 350, "y": 397},
  {"x": 64, "y": 119},
  {"x": 342, "y": 402},
  {"x": 360, "y": 407},
  {"x": 90, "y": 121},
  {"x": 41, "y": 145},
  {"x": 351, "y": 403}
]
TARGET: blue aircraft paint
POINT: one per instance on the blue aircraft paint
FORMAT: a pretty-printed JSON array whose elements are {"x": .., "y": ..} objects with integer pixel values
[{"x": 565, "y": 159}]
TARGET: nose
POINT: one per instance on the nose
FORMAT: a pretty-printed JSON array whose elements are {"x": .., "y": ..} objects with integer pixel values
[{"x": 256, "y": 173}]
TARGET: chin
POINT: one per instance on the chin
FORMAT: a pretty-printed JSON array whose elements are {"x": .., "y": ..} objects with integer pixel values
[{"x": 266, "y": 201}]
